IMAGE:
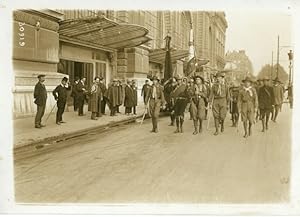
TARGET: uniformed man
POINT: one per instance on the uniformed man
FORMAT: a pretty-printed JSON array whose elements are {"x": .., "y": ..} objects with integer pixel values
[
  {"x": 199, "y": 97},
  {"x": 60, "y": 95},
  {"x": 219, "y": 101},
  {"x": 40, "y": 96},
  {"x": 180, "y": 96},
  {"x": 247, "y": 105},
  {"x": 258, "y": 84},
  {"x": 169, "y": 88},
  {"x": 234, "y": 94},
  {"x": 156, "y": 100},
  {"x": 265, "y": 102},
  {"x": 278, "y": 97}
]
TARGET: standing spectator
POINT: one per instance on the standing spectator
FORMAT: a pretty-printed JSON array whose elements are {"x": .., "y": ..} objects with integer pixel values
[
  {"x": 145, "y": 90},
  {"x": 112, "y": 97},
  {"x": 74, "y": 94},
  {"x": 81, "y": 94},
  {"x": 60, "y": 95},
  {"x": 94, "y": 99},
  {"x": 278, "y": 97},
  {"x": 120, "y": 95},
  {"x": 129, "y": 98},
  {"x": 135, "y": 96},
  {"x": 40, "y": 95},
  {"x": 100, "y": 97},
  {"x": 265, "y": 102},
  {"x": 103, "y": 90}
]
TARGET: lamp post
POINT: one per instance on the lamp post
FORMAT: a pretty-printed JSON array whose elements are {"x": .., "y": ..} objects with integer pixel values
[{"x": 290, "y": 54}]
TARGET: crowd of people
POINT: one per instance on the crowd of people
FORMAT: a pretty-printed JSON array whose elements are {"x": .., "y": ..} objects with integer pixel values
[
  {"x": 249, "y": 100},
  {"x": 97, "y": 97}
]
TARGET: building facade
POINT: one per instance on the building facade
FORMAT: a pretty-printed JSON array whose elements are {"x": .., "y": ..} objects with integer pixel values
[{"x": 111, "y": 44}]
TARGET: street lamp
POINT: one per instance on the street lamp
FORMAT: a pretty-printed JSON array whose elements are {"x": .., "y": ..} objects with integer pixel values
[{"x": 290, "y": 54}]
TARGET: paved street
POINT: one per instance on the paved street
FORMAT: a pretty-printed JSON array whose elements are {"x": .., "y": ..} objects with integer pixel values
[{"x": 129, "y": 164}]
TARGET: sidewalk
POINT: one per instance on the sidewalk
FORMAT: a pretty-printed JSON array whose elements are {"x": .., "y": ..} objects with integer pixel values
[{"x": 25, "y": 133}]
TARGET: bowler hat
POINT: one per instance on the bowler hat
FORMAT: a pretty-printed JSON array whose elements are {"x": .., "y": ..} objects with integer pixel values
[
  {"x": 65, "y": 79},
  {"x": 247, "y": 79},
  {"x": 41, "y": 75}
]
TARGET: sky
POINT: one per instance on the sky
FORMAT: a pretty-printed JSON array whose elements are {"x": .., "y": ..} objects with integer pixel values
[{"x": 256, "y": 32}]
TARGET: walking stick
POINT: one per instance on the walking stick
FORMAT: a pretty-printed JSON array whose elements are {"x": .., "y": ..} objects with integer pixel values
[
  {"x": 146, "y": 108},
  {"x": 209, "y": 113},
  {"x": 50, "y": 112}
]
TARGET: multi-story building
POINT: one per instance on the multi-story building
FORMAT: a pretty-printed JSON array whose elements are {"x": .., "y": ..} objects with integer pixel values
[
  {"x": 242, "y": 65},
  {"x": 111, "y": 44}
]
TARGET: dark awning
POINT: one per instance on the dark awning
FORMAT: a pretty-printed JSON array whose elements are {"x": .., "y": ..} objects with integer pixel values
[
  {"x": 158, "y": 55},
  {"x": 104, "y": 32}
]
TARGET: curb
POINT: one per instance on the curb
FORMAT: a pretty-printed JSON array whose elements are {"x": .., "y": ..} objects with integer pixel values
[{"x": 77, "y": 133}]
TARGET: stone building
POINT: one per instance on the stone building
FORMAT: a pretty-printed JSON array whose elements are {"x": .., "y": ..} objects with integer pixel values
[
  {"x": 111, "y": 44},
  {"x": 242, "y": 65}
]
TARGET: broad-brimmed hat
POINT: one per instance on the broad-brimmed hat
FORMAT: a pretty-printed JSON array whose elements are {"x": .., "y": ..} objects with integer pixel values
[
  {"x": 154, "y": 78},
  {"x": 41, "y": 76},
  {"x": 266, "y": 78},
  {"x": 220, "y": 74},
  {"x": 115, "y": 80},
  {"x": 178, "y": 78},
  {"x": 247, "y": 79},
  {"x": 277, "y": 80},
  {"x": 198, "y": 76}
]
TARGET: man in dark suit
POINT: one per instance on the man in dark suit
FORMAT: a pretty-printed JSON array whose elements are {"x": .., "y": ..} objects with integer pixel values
[
  {"x": 103, "y": 90},
  {"x": 129, "y": 98},
  {"x": 265, "y": 102},
  {"x": 60, "y": 95},
  {"x": 40, "y": 95},
  {"x": 81, "y": 93},
  {"x": 74, "y": 94}
]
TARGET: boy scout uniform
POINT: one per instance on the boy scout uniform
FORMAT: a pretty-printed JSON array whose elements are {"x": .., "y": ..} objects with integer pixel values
[{"x": 219, "y": 97}]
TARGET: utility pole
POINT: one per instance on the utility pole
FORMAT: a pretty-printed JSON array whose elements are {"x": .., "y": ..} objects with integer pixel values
[
  {"x": 277, "y": 68},
  {"x": 272, "y": 67}
]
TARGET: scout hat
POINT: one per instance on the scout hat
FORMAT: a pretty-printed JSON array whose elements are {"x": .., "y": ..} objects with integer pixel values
[
  {"x": 220, "y": 74},
  {"x": 247, "y": 79},
  {"x": 277, "y": 80},
  {"x": 41, "y": 75},
  {"x": 198, "y": 76},
  {"x": 266, "y": 78},
  {"x": 178, "y": 78},
  {"x": 154, "y": 78}
]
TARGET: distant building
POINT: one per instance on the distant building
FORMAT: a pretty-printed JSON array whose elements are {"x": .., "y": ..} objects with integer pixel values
[{"x": 238, "y": 65}]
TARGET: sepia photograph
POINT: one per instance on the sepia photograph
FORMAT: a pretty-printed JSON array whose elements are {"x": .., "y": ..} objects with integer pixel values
[{"x": 152, "y": 106}]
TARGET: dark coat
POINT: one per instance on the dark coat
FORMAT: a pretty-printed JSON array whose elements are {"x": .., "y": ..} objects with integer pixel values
[
  {"x": 40, "y": 94},
  {"x": 81, "y": 90},
  {"x": 94, "y": 99},
  {"x": 129, "y": 97},
  {"x": 265, "y": 97},
  {"x": 60, "y": 94},
  {"x": 112, "y": 96},
  {"x": 135, "y": 95},
  {"x": 74, "y": 90}
]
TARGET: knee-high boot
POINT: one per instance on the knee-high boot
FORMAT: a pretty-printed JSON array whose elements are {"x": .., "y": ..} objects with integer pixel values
[
  {"x": 245, "y": 129},
  {"x": 263, "y": 124},
  {"x": 250, "y": 130},
  {"x": 181, "y": 124},
  {"x": 196, "y": 127},
  {"x": 222, "y": 125},
  {"x": 217, "y": 126},
  {"x": 177, "y": 125},
  {"x": 200, "y": 125}
]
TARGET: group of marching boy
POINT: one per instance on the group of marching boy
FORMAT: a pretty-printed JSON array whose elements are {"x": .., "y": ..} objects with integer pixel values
[{"x": 248, "y": 101}]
